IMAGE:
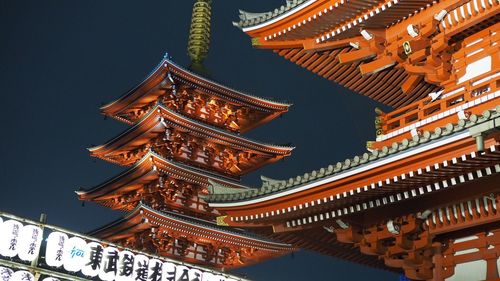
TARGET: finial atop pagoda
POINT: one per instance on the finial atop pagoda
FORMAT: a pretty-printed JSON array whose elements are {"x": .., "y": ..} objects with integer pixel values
[{"x": 199, "y": 35}]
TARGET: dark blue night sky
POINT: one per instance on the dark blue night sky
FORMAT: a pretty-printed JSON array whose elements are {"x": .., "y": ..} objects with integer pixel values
[{"x": 60, "y": 60}]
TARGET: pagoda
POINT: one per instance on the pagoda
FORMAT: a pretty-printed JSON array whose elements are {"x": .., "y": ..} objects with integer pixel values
[
  {"x": 184, "y": 136},
  {"x": 423, "y": 200}
]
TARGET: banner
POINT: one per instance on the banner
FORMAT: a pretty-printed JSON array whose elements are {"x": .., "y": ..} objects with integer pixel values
[{"x": 74, "y": 255}]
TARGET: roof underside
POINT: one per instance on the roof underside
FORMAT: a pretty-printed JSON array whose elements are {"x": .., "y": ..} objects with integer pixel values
[
  {"x": 288, "y": 27},
  {"x": 146, "y": 170},
  {"x": 144, "y": 217},
  {"x": 383, "y": 87},
  {"x": 336, "y": 15},
  {"x": 167, "y": 73}
]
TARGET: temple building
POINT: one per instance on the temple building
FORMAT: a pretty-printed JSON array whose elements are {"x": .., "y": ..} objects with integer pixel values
[
  {"x": 185, "y": 136},
  {"x": 423, "y": 199}
]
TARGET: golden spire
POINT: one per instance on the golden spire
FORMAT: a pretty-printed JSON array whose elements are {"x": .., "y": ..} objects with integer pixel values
[{"x": 199, "y": 33}]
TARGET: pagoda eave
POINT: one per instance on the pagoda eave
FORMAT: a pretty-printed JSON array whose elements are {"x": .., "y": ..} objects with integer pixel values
[
  {"x": 131, "y": 145},
  {"x": 148, "y": 169},
  {"x": 164, "y": 78},
  {"x": 190, "y": 239}
]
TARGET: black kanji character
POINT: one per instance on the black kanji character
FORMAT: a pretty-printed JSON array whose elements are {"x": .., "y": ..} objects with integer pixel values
[
  {"x": 142, "y": 271},
  {"x": 127, "y": 265},
  {"x": 95, "y": 257},
  {"x": 110, "y": 262}
]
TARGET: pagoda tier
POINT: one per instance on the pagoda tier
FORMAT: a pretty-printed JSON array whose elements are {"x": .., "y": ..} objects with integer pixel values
[
  {"x": 194, "y": 96},
  {"x": 401, "y": 203},
  {"x": 189, "y": 239},
  {"x": 161, "y": 184},
  {"x": 395, "y": 52},
  {"x": 182, "y": 139}
]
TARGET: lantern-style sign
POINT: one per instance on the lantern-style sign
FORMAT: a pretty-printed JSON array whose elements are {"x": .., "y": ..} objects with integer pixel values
[
  {"x": 140, "y": 268},
  {"x": 182, "y": 273},
  {"x": 50, "y": 279},
  {"x": 30, "y": 239},
  {"x": 55, "y": 249},
  {"x": 22, "y": 275},
  {"x": 109, "y": 264},
  {"x": 5, "y": 273},
  {"x": 125, "y": 268},
  {"x": 155, "y": 270},
  {"x": 169, "y": 270},
  {"x": 207, "y": 276},
  {"x": 92, "y": 259},
  {"x": 74, "y": 252},
  {"x": 195, "y": 274},
  {"x": 9, "y": 238}
]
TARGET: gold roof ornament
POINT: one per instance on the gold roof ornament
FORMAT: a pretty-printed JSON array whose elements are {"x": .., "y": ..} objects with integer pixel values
[{"x": 199, "y": 34}]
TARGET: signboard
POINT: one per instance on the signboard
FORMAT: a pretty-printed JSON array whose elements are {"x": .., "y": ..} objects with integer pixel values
[{"x": 73, "y": 255}]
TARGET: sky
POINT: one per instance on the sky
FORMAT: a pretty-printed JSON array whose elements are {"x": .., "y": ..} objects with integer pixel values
[{"x": 61, "y": 60}]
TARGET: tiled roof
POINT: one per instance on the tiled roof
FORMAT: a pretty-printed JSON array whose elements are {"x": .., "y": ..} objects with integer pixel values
[
  {"x": 168, "y": 65},
  {"x": 191, "y": 221},
  {"x": 250, "y": 19},
  {"x": 272, "y": 186}
]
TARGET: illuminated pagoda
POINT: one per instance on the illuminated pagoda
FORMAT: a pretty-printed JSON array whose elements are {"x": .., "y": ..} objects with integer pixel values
[
  {"x": 184, "y": 135},
  {"x": 423, "y": 200}
]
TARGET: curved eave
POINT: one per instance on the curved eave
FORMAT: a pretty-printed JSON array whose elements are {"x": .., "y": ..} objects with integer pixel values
[
  {"x": 144, "y": 217},
  {"x": 153, "y": 119},
  {"x": 160, "y": 72},
  {"x": 227, "y": 92},
  {"x": 457, "y": 136},
  {"x": 148, "y": 165},
  {"x": 274, "y": 17},
  {"x": 325, "y": 20},
  {"x": 154, "y": 78}
]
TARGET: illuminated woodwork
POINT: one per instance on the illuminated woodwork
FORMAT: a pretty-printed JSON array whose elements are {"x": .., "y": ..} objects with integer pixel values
[
  {"x": 184, "y": 138},
  {"x": 423, "y": 200}
]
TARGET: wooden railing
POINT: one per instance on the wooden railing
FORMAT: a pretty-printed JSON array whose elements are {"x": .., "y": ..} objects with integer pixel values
[{"x": 470, "y": 94}]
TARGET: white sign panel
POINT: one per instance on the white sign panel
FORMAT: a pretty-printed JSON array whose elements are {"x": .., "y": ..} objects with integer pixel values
[
  {"x": 22, "y": 275},
  {"x": 30, "y": 239},
  {"x": 5, "y": 273},
  {"x": 125, "y": 267},
  {"x": 140, "y": 268},
  {"x": 219, "y": 278},
  {"x": 92, "y": 259},
  {"x": 155, "y": 270},
  {"x": 182, "y": 273},
  {"x": 109, "y": 264},
  {"x": 168, "y": 272},
  {"x": 9, "y": 238},
  {"x": 55, "y": 249},
  {"x": 73, "y": 256},
  {"x": 207, "y": 276},
  {"x": 194, "y": 275}
]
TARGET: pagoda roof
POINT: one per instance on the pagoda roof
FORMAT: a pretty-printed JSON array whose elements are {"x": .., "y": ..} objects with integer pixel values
[
  {"x": 155, "y": 217},
  {"x": 275, "y": 189},
  {"x": 150, "y": 167},
  {"x": 172, "y": 72},
  {"x": 144, "y": 218},
  {"x": 159, "y": 117}
]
